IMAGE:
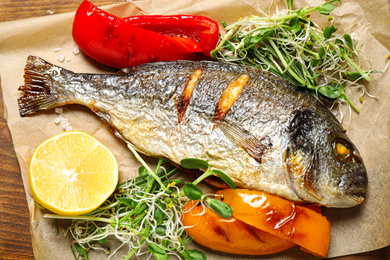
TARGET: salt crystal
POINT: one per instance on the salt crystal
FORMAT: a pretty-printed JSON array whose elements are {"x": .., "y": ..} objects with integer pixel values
[
  {"x": 50, "y": 12},
  {"x": 68, "y": 128},
  {"x": 76, "y": 50},
  {"x": 57, "y": 49},
  {"x": 67, "y": 58},
  {"x": 61, "y": 58},
  {"x": 59, "y": 110},
  {"x": 57, "y": 120}
]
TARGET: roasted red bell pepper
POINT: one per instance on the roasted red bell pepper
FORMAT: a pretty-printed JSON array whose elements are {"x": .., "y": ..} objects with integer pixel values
[
  {"x": 199, "y": 28},
  {"x": 118, "y": 43}
]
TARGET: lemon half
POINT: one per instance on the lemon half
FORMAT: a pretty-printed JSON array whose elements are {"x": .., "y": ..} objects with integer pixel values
[{"x": 72, "y": 173}]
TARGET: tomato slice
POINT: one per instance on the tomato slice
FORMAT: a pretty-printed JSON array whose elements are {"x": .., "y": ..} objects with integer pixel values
[
  {"x": 229, "y": 235},
  {"x": 280, "y": 217}
]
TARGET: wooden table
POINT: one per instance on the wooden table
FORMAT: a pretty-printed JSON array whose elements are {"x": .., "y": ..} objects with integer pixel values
[{"x": 15, "y": 238}]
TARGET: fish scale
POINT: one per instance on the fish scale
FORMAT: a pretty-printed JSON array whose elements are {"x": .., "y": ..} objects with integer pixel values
[{"x": 263, "y": 132}]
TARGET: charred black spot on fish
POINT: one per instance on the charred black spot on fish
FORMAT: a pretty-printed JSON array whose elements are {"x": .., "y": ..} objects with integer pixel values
[
  {"x": 300, "y": 130},
  {"x": 312, "y": 176},
  {"x": 253, "y": 146},
  {"x": 301, "y": 154},
  {"x": 187, "y": 93},
  {"x": 229, "y": 96}
]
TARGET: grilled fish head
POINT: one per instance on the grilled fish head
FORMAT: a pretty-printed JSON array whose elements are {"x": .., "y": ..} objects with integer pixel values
[{"x": 324, "y": 166}]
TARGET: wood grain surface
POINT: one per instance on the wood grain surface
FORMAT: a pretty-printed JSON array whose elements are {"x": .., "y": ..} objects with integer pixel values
[{"x": 15, "y": 238}]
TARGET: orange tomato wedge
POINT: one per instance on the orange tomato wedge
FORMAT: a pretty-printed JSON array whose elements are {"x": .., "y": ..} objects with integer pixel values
[
  {"x": 281, "y": 218},
  {"x": 229, "y": 235}
]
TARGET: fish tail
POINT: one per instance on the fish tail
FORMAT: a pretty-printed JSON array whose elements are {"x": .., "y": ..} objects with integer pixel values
[{"x": 38, "y": 88}]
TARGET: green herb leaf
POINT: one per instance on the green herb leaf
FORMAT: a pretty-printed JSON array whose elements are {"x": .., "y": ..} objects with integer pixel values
[
  {"x": 321, "y": 52},
  {"x": 102, "y": 241},
  {"x": 126, "y": 201},
  {"x": 221, "y": 208},
  {"x": 194, "y": 163},
  {"x": 314, "y": 62},
  {"x": 301, "y": 13},
  {"x": 197, "y": 255},
  {"x": 142, "y": 171},
  {"x": 192, "y": 192},
  {"x": 348, "y": 40},
  {"x": 329, "y": 30},
  {"x": 159, "y": 216},
  {"x": 251, "y": 41},
  {"x": 266, "y": 32},
  {"x": 157, "y": 252},
  {"x": 328, "y": 92},
  {"x": 80, "y": 250},
  {"x": 295, "y": 26},
  {"x": 225, "y": 178},
  {"x": 353, "y": 75},
  {"x": 141, "y": 207},
  {"x": 73, "y": 253},
  {"x": 161, "y": 230},
  {"x": 326, "y": 8}
]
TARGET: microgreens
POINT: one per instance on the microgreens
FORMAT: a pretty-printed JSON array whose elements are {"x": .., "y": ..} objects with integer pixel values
[
  {"x": 146, "y": 211},
  {"x": 294, "y": 47}
]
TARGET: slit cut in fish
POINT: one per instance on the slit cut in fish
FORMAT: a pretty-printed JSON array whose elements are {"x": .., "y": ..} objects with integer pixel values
[
  {"x": 229, "y": 96},
  {"x": 186, "y": 94}
]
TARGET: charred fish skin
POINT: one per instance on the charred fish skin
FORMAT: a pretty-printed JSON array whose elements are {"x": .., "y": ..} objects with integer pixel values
[{"x": 263, "y": 132}]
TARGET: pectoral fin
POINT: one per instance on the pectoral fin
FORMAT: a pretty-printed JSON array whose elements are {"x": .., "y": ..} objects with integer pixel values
[{"x": 253, "y": 146}]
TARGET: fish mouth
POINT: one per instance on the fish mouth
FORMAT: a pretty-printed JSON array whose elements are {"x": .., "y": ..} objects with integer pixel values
[{"x": 354, "y": 187}]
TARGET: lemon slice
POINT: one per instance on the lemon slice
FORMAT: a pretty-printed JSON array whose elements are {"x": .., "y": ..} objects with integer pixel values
[{"x": 72, "y": 173}]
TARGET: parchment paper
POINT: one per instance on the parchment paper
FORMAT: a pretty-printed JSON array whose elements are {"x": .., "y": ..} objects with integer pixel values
[{"x": 362, "y": 228}]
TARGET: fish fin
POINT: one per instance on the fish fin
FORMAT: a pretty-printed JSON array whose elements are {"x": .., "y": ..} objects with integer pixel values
[
  {"x": 37, "y": 93},
  {"x": 253, "y": 146},
  {"x": 311, "y": 176}
]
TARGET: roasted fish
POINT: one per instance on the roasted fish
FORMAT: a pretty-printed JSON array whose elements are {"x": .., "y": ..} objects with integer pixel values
[{"x": 263, "y": 132}]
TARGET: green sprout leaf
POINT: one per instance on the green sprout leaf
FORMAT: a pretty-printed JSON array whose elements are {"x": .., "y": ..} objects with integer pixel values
[
  {"x": 295, "y": 25},
  {"x": 142, "y": 171},
  {"x": 224, "y": 177},
  {"x": 329, "y": 30},
  {"x": 353, "y": 75},
  {"x": 157, "y": 252},
  {"x": 266, "y": 32},
  {"x": 194, "y": 163},
  {"x": 328, "y": 92},
  {"x": 251, "y": 41},
  {"x": 197, "y": 255},
  {"x": 348, "y": 40},
  {"x": 81, "y": 250},
  {"x": 314, "y": 62},
  {"x": 221, "y": 208},
  {"x": 326, "y": 8},
  {"x": 192, "y": 192},
  {"x": 321, "y": 52}
]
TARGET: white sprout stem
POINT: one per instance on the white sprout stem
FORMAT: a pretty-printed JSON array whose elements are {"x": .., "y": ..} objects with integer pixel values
[
  {"x": 90, "y": 218},
  {"x": 136, "y": 155}
]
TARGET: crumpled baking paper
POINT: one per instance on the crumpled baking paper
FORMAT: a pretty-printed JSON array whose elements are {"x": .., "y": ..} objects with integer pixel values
[{"x": 359, "y": 229}]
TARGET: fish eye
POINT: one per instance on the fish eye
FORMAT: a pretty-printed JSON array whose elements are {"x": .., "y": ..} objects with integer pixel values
[{"x": 342, "y": 149}]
